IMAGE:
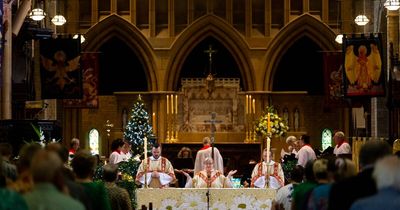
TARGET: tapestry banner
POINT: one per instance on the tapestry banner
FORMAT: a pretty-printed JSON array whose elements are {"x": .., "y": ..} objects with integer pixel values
[
  {"x": 333, "y": 71},
  {"x": 90, "y": 70},
  {"x": 61, "y": 76},
  {"x": 364, "y": 69}
]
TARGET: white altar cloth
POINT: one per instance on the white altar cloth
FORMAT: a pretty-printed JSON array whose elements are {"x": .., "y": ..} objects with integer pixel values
[{"x": 193, "y": 198}]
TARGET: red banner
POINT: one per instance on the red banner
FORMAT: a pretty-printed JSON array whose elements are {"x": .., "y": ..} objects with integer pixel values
[
  {"x": 333, "y": 77},
  {"x": 90, "y": 70}
]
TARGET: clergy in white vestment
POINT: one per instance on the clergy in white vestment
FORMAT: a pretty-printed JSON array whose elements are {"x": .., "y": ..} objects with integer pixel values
[
  {"x": 159, "y": 170},
  {"x": 342, "y": 147},
  {"x": 306, "y": 152},
  {"x": 116, "y": 156},
  {"x": 205, "y": 152},
  {"x": 271, "y": 169},
  {"x": 209, "y": 177}
]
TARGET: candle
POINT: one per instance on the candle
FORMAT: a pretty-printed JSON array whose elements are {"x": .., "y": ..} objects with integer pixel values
[
  {"x": 254, "y": 106},
  {"x": 172, "y": 104},
  {"x": 145, "y": 148},
  {"x": 154, "y": 122},
  {"x": 268, "y": 123},
  {"x": 176, "y": 104},
  {"x": 249, "y": 105},
  {"x": 247, "y": 102},
  {"x": 268, "y": 148},
  {"x": 167, "y": 104}
]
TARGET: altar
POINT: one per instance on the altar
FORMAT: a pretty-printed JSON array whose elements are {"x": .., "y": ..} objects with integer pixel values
[{"x": 192, "y": 198}]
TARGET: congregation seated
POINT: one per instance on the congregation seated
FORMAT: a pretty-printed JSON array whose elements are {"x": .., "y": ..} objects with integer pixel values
[
  {"x": 209, "y": 177},
  {"x": 47, "y": 192}
]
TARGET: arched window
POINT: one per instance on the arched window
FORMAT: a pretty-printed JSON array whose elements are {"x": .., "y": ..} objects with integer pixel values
[
  {"x": 326, "y": 138},
  {"x": 94, "y": 141}
]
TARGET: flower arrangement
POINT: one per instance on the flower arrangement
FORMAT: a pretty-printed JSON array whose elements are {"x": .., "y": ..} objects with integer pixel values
[{"x": 272, "y": 123}]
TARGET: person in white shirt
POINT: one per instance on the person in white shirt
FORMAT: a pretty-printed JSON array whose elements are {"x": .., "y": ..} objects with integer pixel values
[
  {"x": 342, "y": 147},
  {"x": 306, "y": 152},
  {"x": 126, "y": 151},
  {"x": 116, "y": 155}
]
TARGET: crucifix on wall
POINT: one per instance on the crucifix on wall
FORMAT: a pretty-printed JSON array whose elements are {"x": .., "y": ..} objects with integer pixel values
[{"x": 210, "y": 77}]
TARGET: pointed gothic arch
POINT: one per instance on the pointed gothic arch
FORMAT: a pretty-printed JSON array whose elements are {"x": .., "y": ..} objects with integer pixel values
[
  {"x": 216, "y": 27},
  {"x": 115, "y": 26},
  {"x": 304, "y": 25}
]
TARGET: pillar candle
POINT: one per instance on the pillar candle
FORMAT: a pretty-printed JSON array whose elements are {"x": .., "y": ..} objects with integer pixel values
[
  {"x": 268, "y": 123},
  {"x": 268, "y": 148},
  {"x": 145, "y": 148},
  {"x": 176, "y": 104},
  {"x": 167, "y": 104},
  {"x": 247, "y": 103},
  {"x": 172, "y": 104},
  {"x": 154, "y": 122},
  {"x": 254, "y": 106}
]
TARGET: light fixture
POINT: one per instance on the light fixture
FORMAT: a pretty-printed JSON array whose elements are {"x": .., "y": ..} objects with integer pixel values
[
  {"x": 76, "y": 36},
  {"x": 58, "y": 20},
  {"x": 37, "y": 14},
  {"x": 392, "y": 5},
  {"x": 361, "y": 20},
  {"x": 339, "y": 38}
]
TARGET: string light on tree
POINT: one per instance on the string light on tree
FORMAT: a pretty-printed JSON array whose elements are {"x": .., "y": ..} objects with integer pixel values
[{"x": 138, "y": 127}]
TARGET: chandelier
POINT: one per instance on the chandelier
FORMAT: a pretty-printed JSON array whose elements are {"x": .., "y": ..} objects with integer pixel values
[
  {"x": 58, "y": 20},
  {"x": 37, "y": 14},
  {"x": 361, "y": 20},
  {"x": 392, "y": 5},
  {"x": 339, "y": 38}
]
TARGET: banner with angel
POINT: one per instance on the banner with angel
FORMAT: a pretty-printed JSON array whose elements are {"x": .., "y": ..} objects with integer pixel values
[
  {"x": 61, "y": 75},
  {"x": 363, "y": 73}
]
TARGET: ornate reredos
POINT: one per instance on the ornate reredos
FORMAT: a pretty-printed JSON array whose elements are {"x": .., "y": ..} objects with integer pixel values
[{"x": 199, "y": 99}]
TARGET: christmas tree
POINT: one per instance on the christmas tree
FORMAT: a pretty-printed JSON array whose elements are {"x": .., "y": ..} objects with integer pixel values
[{"x": 138, "y": 127}]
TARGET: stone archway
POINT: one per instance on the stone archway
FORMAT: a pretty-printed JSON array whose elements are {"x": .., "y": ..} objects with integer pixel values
[
  {"x": 115, "y": 26},
  {"x": 210, "y": 26},
  {"x": 305, "y": 25}
]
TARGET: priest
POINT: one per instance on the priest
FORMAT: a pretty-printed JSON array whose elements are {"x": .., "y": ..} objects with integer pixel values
[
  {"x": 268, "y": 173},
  {"x": 205, "y": 152},
  {"x": 157, "y": 170}
]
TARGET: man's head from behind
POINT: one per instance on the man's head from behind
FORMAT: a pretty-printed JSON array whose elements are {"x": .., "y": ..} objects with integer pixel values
[
  {"x": 372, "y": 151},
  {"x": 45, "y": 165},
  {"x": 206, "y": 140}
]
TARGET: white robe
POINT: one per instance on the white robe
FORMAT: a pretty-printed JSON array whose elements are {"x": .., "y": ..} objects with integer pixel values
[
  {"x": 216, "y": 180},
  {"x": 343, "y": 149},
  {"x": 203, "y": 154},
  {"x": 164, "y": 168},
  {"x": 276, "y": 178}
]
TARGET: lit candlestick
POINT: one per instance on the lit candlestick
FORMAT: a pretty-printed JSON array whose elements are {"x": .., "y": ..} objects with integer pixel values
[
  {"x": 154, "y": 122},
  {"x": 167, "y": 104},
  {"x": 254, "y": 106},
  {"x": 247, "y": 103},
  {"x": 176, "y": 104},
  {"x": 268, "y": 123},
  {"x": 172, "y": 104}
]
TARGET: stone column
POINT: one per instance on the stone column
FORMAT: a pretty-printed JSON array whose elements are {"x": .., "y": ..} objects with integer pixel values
[{"x": 6, "y": 89}]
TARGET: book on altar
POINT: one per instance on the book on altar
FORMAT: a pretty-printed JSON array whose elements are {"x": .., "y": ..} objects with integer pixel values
[
  {"x": 273, "y": 182},
  {"x": 164, "y": 178}
]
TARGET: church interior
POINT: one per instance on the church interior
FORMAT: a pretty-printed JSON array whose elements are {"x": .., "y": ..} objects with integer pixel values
[{"x": 201, "y": 68}]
